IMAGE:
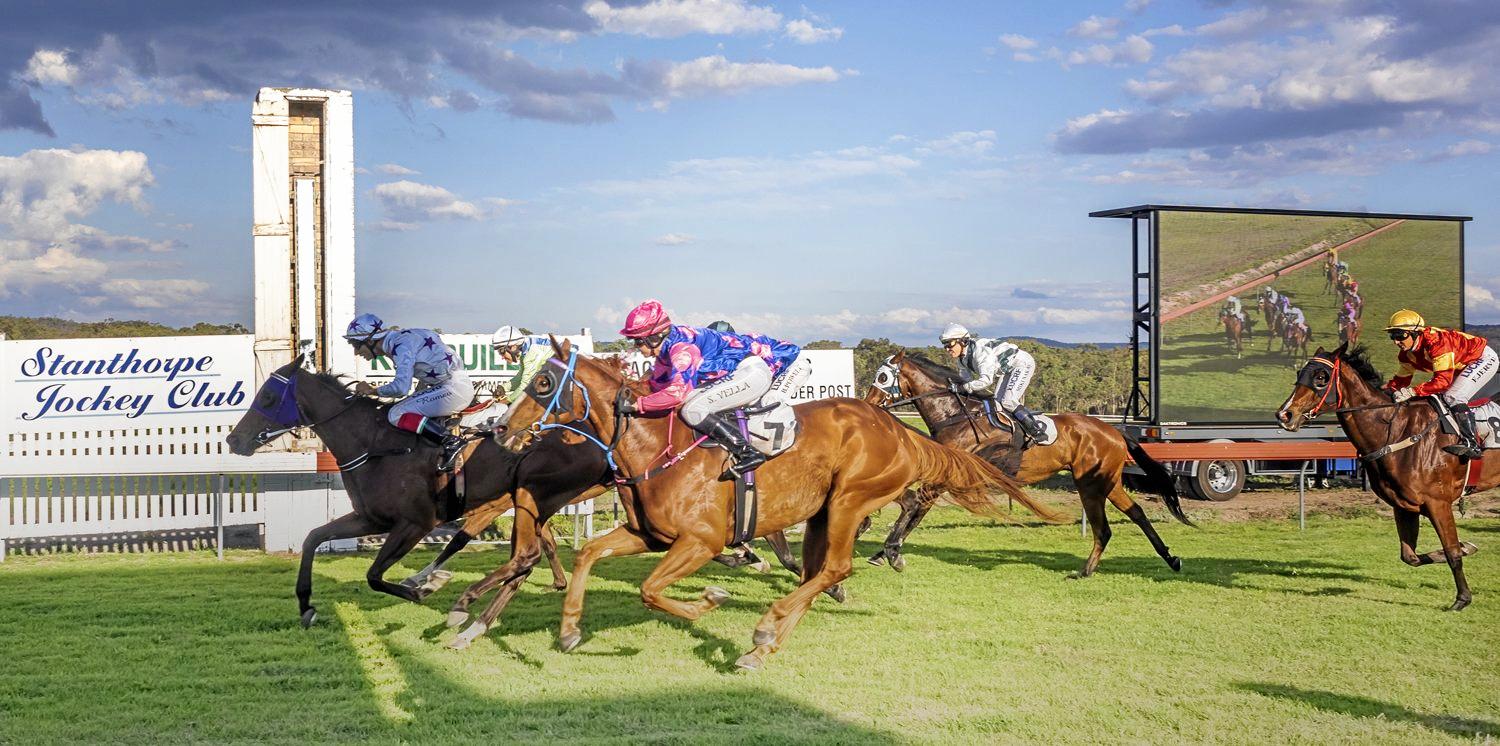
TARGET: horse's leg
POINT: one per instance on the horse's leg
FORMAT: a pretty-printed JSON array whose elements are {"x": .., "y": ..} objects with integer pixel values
[
  {"x": 892, "y": 547},
  {"x": 343, "y": 527},
  {"x": 432, "y": 577},
  {"x": 1093, "y": 507},
  {"x": 1133, "y": 511},
  {"x": 740, "y": 556},
  {"x": 827, "y": 547},
  {"x": 1408, "y": 525},
  {"x": 397, "y": 544},
  {"x": 526, "y": 551},
  {"x": 783, "y": 551},
  {"x": 683, "y": 558},
  {"x": 1441, "y": 515},
  {"x": 618, "y": 542},
  {"x": 549, "y": 548},
  {"x": 915, "y": 504}
]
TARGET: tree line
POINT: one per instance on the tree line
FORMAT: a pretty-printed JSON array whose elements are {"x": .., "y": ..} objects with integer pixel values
[{"x": 48, "y": 327}]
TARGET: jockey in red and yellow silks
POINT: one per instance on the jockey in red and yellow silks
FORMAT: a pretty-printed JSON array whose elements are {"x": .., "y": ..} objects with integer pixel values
[{"x": 1461, "y": 365}]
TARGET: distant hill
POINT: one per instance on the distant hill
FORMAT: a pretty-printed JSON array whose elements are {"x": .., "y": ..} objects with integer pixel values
[
  {"x": 1488, "y": 331},
  {"x": 1071, "y": 345},
  {"x": 47, "y": 327}
]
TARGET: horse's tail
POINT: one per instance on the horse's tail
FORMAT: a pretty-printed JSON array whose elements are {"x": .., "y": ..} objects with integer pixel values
[
  {"x": 1158, "y": 480},
  {"x": 970, "y": 481}
]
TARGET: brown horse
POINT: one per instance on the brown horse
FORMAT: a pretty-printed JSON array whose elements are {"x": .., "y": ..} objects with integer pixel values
[
  {"x": 1236, "y": 330},
  {"x": 849, "y": 459},
  {"x": 1349, "y": 328},
  {"x": 1092, "y": 451},
  {"x": 1401, "y": 446},
  {"x": 1294, "y": 339}
]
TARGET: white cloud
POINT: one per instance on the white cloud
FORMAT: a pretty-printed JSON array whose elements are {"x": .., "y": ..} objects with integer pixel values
[
  {"x": 675, "y": 239},
  {"x": 670, "y": 18},
  {"x": 1137, "y": 6},
  {"x": 1017, "y": 42},
  {"x": 1467, "y": 148},
  {"x": 153, "y": 293},
  {"x": 1481, "y": 305},
  {"x": 1096, "y": 27},
  {"x": 408, "y": 201},
  {"x": 715, "y": 74},
  {"x": 965, "y": 144},
  {"x": 396, "y": 169},
  {"x": 1134, "y": 49},
  {"x": 50, "y": 67},
  {"x": 394, "y": 226},
  {"x": 803, "y": 31},
  {"x": 1237, "y": 23},
  {"x": 1173, "y": 30}
]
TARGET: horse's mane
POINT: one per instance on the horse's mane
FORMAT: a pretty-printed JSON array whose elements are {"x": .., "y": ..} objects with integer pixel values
[
  {"x": 1359, "y": 359},
  {"x": 932, "y": 368}
]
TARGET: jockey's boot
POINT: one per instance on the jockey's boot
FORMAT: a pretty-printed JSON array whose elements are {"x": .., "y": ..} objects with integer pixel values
[
  {"x": 744, "y": 457},
  {"x": 1030, "y": 423},
  {"x": 1468, "y": 445},
  {"x": 434, "y": 431}
]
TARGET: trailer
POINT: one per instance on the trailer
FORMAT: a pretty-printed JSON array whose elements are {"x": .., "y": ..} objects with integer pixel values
[{"x": 1203, "y": 395}]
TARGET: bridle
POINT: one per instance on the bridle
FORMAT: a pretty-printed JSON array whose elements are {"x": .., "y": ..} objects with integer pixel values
[
  {"x": 286, "y": 413},
  {"x": 1335, "y": 384},
  {"x": 888, "y": 382}
]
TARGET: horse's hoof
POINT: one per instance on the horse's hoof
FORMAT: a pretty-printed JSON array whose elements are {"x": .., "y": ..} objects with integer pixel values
[
  {"x": 898, "y": 563},
  {"x": 1076, "y": 575},
  {"x": 762, "y": 566},
  {"x": 837, "y": 593},
  {"x": 1459, "y": 604},
  {"x": 468, "y": 636},
  {"x": 560, "y": 586},
  {"x": 569, "y": 642},
  {"x": 456, "y": 617},
  {"x": 763, "y": 637},
  {"x": 411, "y": 582},
  {"x": 1175, "y": 563},
  {"x": 1468, "y": 548},
  {"x": 715, "y": 595},
  {"x": 876, "y": 560},
  {"x": 748, "y": 662},
  {"x": 308, "y": 617}
]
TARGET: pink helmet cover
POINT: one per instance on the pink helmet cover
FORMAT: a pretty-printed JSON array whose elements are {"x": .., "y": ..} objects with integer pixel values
[{"x": 646, "y": 319}]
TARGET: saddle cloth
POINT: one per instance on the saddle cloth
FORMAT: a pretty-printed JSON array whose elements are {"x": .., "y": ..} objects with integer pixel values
[
  {"x": 772, "y": 424},
  {"x": 1003, "y": 421},
  {"x": 482, "y": 415},
  {"x": 1487, "y": 424}
]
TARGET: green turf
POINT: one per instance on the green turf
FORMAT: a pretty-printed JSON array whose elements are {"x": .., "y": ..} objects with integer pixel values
[
  {"x": 1202, "y": 247},
  {"x": 1267, "y": 636},
  {"x": 1414, "y": 265}
]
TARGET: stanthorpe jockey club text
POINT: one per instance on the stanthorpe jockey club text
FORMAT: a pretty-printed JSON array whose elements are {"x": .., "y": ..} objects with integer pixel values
[{"x": 73, "y": 394}]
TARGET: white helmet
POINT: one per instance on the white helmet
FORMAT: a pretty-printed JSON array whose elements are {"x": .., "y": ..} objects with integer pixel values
[
  {"x": 508, "y": 335},
  {"x": 954, "y": 331},
  {"x": 366, "y": 326}
]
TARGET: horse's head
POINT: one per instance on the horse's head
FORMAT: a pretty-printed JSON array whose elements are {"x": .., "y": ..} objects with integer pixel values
[
  {"x": 887, "y": 385},
  {"x": 273, "y": 412},
  {"x": 1318, "y": 386},
  {"x": 567, "y": 389}
]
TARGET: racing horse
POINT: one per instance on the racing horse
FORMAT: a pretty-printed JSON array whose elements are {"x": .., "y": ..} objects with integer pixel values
[
  {"x": 1273, "y": 320},
  {"x": 1349, "y": 328},
  {"x": 1401, "y": 447},
  {"x": 1236, "y": 330},
  {"x": 1091, "y": 450},
  {"x": 1294, "y": 339},
  {"x": 849, "y": 459}
]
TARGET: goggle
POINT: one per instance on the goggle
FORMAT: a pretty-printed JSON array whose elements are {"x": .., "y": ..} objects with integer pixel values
[
  {"x": 949, "y": 344},
  {"x": 1399, "y": 334},
  {"x": 650, "y": 341}
]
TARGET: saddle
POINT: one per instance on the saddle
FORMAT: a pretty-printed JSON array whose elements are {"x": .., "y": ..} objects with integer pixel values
[
  {"x": 770, "y": 426},
  {"x": 1020, "y": 439}
]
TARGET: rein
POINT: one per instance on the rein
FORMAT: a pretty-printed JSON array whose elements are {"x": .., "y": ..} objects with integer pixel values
[{"x": 1336, "y": 385}]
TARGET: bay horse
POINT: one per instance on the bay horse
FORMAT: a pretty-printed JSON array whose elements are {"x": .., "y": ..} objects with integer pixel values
[
  {"x": 1273, "y": 320},
  {"x": 1349, "y": 328},
  {"x": 1236, "y": 330},
  {"x": 849, "y": 459},
  {"x": 1294, "y": 339},
  {"x": 1401, "y": 447},
  {"x": 1094, "y": 452}
]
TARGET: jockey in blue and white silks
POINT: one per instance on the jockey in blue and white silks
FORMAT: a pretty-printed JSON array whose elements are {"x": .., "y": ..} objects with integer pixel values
[
  {"x": 708, "y": 372},
  {"x": 981, "y": 361},
  {"x": 418, "y": 357}
]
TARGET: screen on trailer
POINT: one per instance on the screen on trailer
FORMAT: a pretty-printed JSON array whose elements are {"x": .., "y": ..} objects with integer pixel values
[{"x": 1300, "y": 282}]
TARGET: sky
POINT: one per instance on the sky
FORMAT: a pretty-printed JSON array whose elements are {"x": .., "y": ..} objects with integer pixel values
[{"x": 826, "y": 171}]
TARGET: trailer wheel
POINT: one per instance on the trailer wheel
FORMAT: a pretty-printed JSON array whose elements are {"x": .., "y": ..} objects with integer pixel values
[{"x": 1218, "y": 480}]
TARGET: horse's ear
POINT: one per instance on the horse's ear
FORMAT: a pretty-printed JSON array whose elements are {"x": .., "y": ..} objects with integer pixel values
[
  {"x": 1343, "y": 348},
  {"x": 899, "y": 356},
  {"x": 302, "y": 358},
  {"x": 558, "y": 347}
]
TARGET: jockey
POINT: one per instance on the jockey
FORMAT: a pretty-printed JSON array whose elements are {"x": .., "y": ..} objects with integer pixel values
[
  {"x": 980, "y": 361},
  {"x": 1296, "y": 319},
  {"x": 1346, "y": 311},
  {"x": 709, "y": 373},
  {"x": 443, "y": 386},
  {"x": 1283, "y": 305},
  {"x": 516, "y": 348},
  {"x": 1233, "y": 307},
  {"x": 1461, "y": 365},
  {"x": 1269, "y": 295}
]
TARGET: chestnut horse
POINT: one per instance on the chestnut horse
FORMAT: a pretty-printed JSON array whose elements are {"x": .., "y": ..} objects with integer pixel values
[
  {"x": 849, "y": 459},
  {"x": 1091, "y": 450},
  {"x": 1236, "y": 331},
  {"x": 1401, "y": 446}
]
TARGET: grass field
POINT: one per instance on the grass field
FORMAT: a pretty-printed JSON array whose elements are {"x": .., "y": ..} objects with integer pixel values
[
  {"x": 1414, "y": 265},
  {"x": 1268, "y": 635},
  {"x": 1203, "y": 247}
]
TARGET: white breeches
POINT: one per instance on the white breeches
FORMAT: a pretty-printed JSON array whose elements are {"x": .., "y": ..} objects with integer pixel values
[
  {"x": 439, "y": 401},
  {"x": 1473, "y": 378},
  {"x": 1012, "y": 390},
  {"x": 745, "y": 386}
]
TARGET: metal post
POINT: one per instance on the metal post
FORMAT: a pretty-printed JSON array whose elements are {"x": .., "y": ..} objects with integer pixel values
[
  {"x": 1302, "y": 496},
  {"x": 1083, "y": 525},
  {"x": 219, "y": 517}
]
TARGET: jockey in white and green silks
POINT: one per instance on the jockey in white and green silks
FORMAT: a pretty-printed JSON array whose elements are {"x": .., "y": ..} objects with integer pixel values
[
  {"x": 983, "y": 361},
  {"x": 516, "y": 347}
]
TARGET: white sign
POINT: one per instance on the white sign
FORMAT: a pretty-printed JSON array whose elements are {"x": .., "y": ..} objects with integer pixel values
[
  {"x": 832, "y": 372},
  {"x": 101, "y": 383}
]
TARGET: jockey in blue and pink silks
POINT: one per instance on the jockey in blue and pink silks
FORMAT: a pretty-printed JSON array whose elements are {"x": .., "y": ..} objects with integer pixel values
[{"x": 709, "y": 372}]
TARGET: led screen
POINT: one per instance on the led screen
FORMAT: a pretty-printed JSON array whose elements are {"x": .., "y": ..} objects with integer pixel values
[{"x": 1205, "y": 258}]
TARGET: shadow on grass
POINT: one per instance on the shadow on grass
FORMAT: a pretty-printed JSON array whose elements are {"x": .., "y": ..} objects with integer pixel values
[
  {"x": 1224, "y": 572},
  {"x": 1364, "y": 707}
]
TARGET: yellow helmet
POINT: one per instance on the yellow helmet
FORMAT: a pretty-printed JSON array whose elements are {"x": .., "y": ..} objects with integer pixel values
[{"x": 1406, "y": 319}]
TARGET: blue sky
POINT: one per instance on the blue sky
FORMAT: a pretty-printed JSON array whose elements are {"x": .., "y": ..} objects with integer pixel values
[{"x": 837, "y": 170}]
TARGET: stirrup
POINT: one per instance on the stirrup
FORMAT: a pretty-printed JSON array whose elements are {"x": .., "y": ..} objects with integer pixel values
[{"x": 738, "y": 468}]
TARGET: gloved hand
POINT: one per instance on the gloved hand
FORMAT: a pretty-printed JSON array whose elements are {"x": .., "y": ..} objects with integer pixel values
[
  {"x": 955, "y": 387},
  {"x": 627, "y": 406},
  {"x": 1402, "y": 394},
  {"x": 364, "y": 388}
]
